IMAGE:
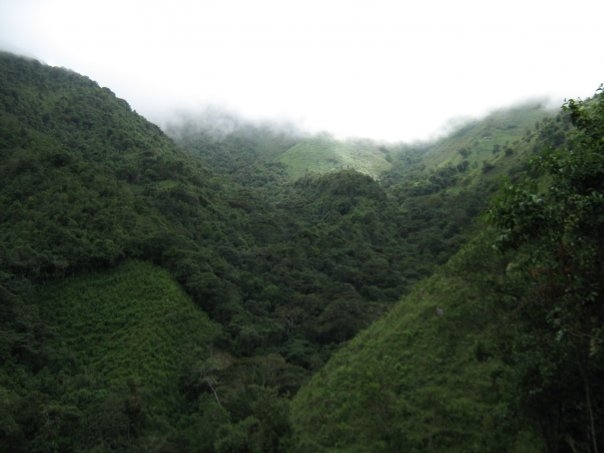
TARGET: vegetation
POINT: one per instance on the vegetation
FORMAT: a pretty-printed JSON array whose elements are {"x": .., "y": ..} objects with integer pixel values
[
  {"x": 556, "y": 227},
  {"x": 252, "y": 288},
  {"x": 429, "y": 376},
  {"x": 117, "y": 344},
  {"x": 323, "y": 153},
  {"x": 500, "y": 348}
]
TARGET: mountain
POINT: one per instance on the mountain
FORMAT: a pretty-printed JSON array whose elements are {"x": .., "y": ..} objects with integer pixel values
[
  {"x": 287, "y": 271},
  {"x": 322, "y": 153},
  {"x": 500, "y": 349},
  {"x": 229, "y": 144},
  {"x": 203, "y": 292},
  {"x": 428, "y": 376},
  {"x": 88, "y": 185}
]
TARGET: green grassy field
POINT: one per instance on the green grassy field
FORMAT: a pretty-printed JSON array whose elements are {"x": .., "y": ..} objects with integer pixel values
[
  {"x": 323, "y": 153},
  {"x": 486, "y": 140},
  {"x": 130, "y": 324}
]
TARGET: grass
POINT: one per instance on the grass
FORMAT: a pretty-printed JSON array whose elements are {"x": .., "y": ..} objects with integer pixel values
[
  {"x": 323, "y": 153},
  {"x": 480, "y": 138},
  {"x": 129, "y": 324}
]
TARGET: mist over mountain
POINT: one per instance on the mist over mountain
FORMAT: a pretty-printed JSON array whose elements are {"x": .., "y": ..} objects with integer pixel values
[{"x": 232, "y": 285}]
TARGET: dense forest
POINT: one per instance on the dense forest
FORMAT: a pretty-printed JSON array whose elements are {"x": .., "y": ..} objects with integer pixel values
[{"x": 254, "y": 288}]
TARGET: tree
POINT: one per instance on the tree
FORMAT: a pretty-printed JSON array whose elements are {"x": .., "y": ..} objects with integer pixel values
[{"x": 555, "y": 223}]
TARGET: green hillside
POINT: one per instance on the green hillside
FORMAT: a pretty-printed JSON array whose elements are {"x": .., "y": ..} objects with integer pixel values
[
  {"x": 500, "y": 349},
  {"x": 132, "y": 322},
  {"x": 426, "y": 377},
  {"x": 323, "y": 153},
  {"x": 289, "y": 270},
  {"x": 477, "y": 153},
  {"x": 253, "y": 152},
  {"x": 489, "y": 139},
  {"x": 133, "y": 330},
  {"x": 196, "y": 295}
]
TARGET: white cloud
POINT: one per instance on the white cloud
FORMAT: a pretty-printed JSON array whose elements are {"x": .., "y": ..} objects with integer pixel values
[{"x": 386, "y": 69}]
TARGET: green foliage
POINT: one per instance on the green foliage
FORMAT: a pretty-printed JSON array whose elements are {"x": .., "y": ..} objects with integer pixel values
[
  {"x": 483, "y": 140},
  {"x": 322, "y": 153},
  {"x": 427, "y": 376},
  {"x": 81, "y": 174},
  {"x": 556, "y": 225},
  {"x": 117, "y": 343},
  {"x": 100, "y": 350},
  {"x": 470, "y": 156},
  {"x": 244, "y": 152},
  {"x": 265, "y": 155},
  {"x": 483, "y": 355},
  {"x": 138, "y": 324}
]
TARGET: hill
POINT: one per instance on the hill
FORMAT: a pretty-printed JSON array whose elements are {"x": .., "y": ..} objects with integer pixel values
[
  {"x": 122, "y": 339},
  {"x": 322, "y": 153},
  {"x": 492, "y": 137},
  {"x": 428, "y": 376},
  {"x": 500, "y": 349},
  {"x": 232, "y": 145},
  {"x": 101, "y": 215},
  {"x": 289, "y": 271},
  {"x": 472, "y": 154}
]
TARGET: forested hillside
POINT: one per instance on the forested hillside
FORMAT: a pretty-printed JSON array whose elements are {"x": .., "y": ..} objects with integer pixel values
[
  {"x": 501, "y": 349},
  {"x": 287, "y": 270},
  {"x": 247, "y": 150},
  {"x": 164, "y": 295}
]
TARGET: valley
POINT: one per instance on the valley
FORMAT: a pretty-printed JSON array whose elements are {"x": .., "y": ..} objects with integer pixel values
[{"x": 255, "y": 288}]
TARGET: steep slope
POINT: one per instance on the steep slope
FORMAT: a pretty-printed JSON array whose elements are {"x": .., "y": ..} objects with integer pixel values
[
  {"x": 289, "y": 271},
  {"x": 127, "y": 334},
  {"x": 132, "y": 322},
  {"x": 322, "y": 153},
  {"x": 495, "y": 351},
  {"x": 426, "y": 377},
  {"x": 488, "y": 139},
  {"x": 473, "y": 154},
  {"x": 88, "y": 181},
  {"x": 87, "y": 184}
]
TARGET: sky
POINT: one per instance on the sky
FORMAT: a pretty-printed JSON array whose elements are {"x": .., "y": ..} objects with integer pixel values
[{"x": 383, "y": 69}]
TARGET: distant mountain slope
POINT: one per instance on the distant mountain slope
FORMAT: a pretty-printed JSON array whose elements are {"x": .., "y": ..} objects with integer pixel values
[
  {"x": 490, "y": 137},
  {"x": 229, "y": 145},
  {"x": 472, "y": 154},
  {"x": 323, "y": 153},
  {"x": 232, "y": 145}
]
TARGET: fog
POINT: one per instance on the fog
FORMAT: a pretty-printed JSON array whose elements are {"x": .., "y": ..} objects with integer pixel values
[
  {"x": 381, "y": 69},
  {"x": 216, "y": 123}
]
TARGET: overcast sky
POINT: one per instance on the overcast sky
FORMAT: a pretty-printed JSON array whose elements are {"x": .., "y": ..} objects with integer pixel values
[{"x": 392, "y": 70}]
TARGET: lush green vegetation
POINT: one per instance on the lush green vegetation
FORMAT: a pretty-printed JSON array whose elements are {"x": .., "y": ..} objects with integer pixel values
[
  {"x": 500, "y": 349},
  {"x": 554, "y": 224},
  {"x": 429, "y": 376},
  {"x": 323, "y": 153},
  {"x": 176, "y": 295},
  {"x": 117, "y": 344}
]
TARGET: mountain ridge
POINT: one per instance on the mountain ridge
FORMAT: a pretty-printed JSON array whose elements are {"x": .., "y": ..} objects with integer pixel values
[{"x": 291, "y": 274}]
